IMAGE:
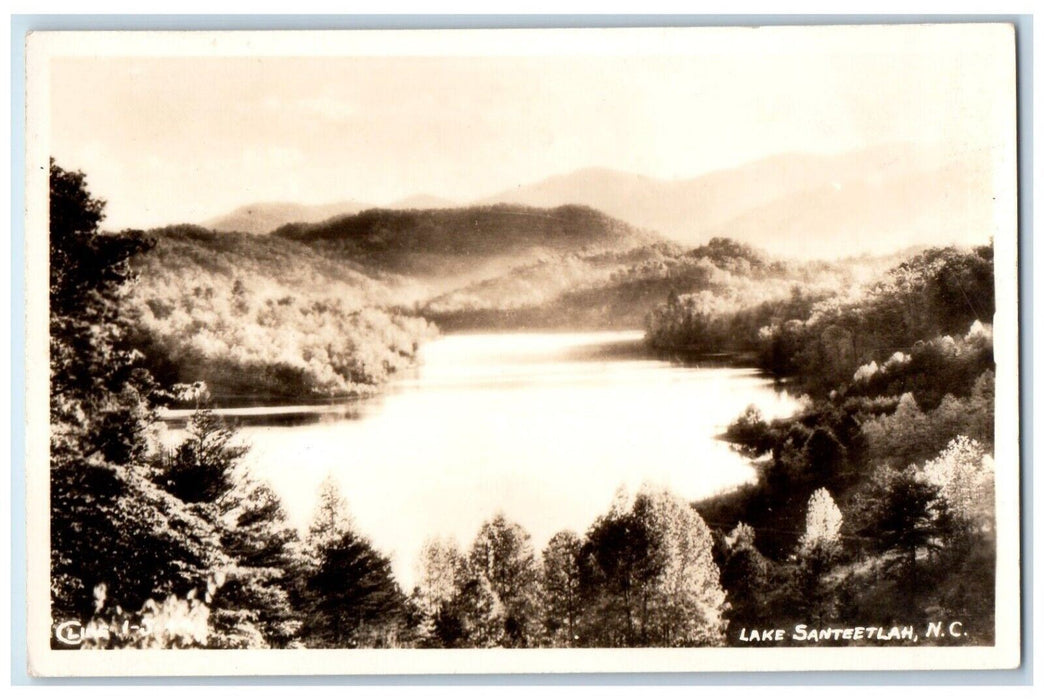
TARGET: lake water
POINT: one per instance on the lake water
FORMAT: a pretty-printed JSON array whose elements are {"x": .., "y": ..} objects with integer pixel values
[{"x": 542, "y": 427}]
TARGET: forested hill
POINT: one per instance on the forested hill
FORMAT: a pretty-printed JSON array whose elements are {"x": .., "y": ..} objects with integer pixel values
[
  {"x": 262, "y": 318},
  {"x": 193, "y": 254},
  {"x": 622, "y": 290},
  {"x": 470, "y": 243},
  {"x": 893, "y": 446},
  {"x": 330, "y": 309},
  {"x": 333, "y": 309}
]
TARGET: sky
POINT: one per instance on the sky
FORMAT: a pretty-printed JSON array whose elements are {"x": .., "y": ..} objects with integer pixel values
[{"x": 175, "y": 138}]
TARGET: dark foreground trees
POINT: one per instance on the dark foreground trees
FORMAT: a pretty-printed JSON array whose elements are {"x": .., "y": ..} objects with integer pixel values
[
  {"x": 563, "y": 600},
  {"x": 181, "y": 538},
  {"x": 110, "y": 524},
  {"x": 345, "y": 590},
  {"x": 644, "y": 575}
]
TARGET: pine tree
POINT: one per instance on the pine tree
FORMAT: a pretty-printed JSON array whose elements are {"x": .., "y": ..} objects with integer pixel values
[
  {"x": 912, "y": 519},
  {"x": 255, "y": 602},
  {"x": 354, "y": 599},
  {"x": 346, "y": 590},
  {"x": 259, "y": 549},
  {"x": 202, "y": 468},
  {"x": 330, "y": 521},
  {"x": 109, "y": 523}
]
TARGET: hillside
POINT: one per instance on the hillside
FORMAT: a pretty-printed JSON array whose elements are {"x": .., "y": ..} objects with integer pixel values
[
  {"x": 321, "y": 310},
  {"x": 831, "y": 202},
  {"x": 265, "y": 217},
  {"x": 262, "y": 318},
  {"x": 451, "y": 247},
  {"x": 193, "y": 253},
  {"x": 566, "y": 291},
  {"x": 621, "y": 290}
]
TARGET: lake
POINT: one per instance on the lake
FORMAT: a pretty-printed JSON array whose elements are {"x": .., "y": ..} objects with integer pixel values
[{"x": 544, "y": 427}]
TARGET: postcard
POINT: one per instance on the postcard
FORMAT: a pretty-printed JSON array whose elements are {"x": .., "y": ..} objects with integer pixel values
[{"x": 522, "y": 350}]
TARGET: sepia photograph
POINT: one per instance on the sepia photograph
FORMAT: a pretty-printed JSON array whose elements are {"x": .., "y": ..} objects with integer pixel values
[{"x": 522, "y": 350}]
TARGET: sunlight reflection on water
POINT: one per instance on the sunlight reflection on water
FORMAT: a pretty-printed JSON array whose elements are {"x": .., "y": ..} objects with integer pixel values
[{"x": 543, "y": 427}]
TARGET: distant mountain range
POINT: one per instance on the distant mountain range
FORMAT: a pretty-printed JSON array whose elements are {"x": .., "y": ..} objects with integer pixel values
[
  {"x": 799, "y": 205},
  {"x": 795, "y": 205}
]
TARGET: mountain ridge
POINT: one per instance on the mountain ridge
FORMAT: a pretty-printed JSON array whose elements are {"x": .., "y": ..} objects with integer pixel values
[
  {"x": 693, "y": 210},
  {"x": 773, "y": 202},
  {"x": 465, "y": 244}
]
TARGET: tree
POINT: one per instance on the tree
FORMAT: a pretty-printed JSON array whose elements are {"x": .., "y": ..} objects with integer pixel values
[
  {"x": 503, "y": 556},
  {"x": 488, "y": 598},
  {"x": 818, "y": 550},
  {"x": 899, "y": 437},
  {"x": 240, "y": 303},
  {"x": 649, "y": 578},
  {"x": 106, "y": 515},
  {"x": 439, "y": 568},
  {"x": 745, "y": 576},
  {"x": 105, "y": 511},
  {"x": 346, "y": 593},
  {"x": 751, "y": 435},
  {"x": 354, "y": 599},
  {"x": 100, "y": 394},
  {"x": 202, "y": 468},
  {"x": 254, "y": 607},
  {"x": 331, "y": 519},
  {"x": 440, "y": 562},
  {"x": 825, "y": 454},
  {"x": 260, "y": 551},
  {"x": 964, "y": 475},
  {"x": 473, "y": 618},
  {"x": 912, "y": 519},
  {"x": 561, "y": 587},
  {"x": 689, "y": 603},
  {"x": 620, "y": 561},
  {"x": 822, "y": 525}
]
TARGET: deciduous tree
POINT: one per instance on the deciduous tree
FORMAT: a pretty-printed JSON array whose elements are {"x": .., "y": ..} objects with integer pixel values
[
  {"x": 502, "y": 555},
  {"x": 649, "y": 577},
  {"x": 561, "y": 587}
]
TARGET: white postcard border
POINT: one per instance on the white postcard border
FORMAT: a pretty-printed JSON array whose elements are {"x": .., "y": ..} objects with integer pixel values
[{"x": 42, "y": 47}]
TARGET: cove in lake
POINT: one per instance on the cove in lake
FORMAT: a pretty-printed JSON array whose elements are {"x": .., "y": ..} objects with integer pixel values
[{"x": 542, "y": 427}]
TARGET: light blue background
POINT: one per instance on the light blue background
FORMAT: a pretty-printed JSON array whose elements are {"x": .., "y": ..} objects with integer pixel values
[{"x": 22, "y": 24}]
